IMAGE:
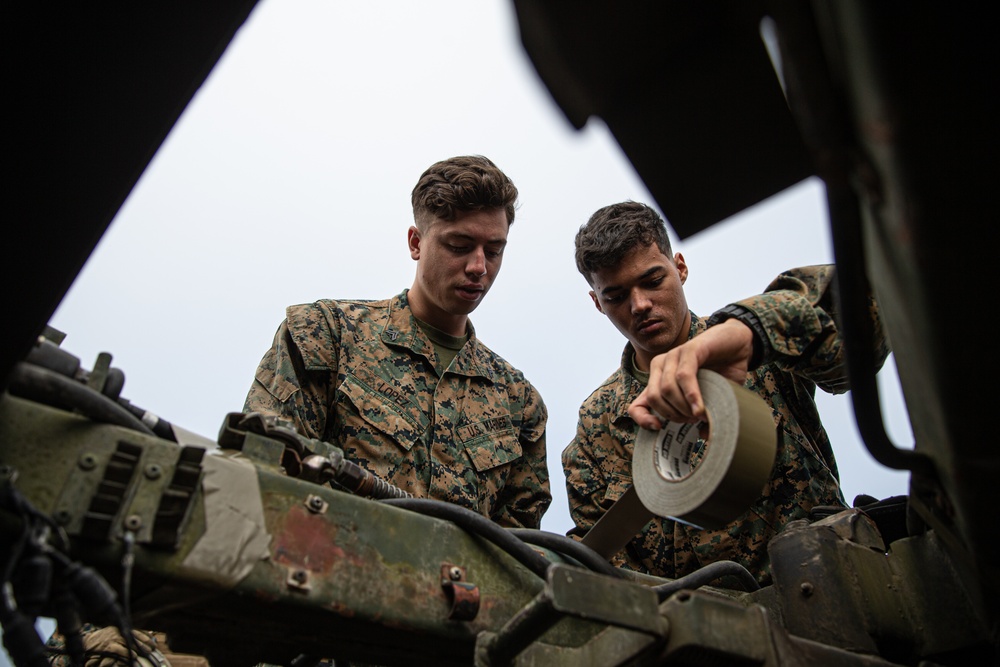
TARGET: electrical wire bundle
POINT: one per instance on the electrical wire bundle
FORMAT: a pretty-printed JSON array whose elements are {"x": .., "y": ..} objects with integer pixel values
[{"x": 39, "y": 579}]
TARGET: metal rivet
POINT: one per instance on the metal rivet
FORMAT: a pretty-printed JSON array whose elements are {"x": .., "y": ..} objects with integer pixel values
[
  {"x": 455, "y": 573},
  {"x": 316, "y": 504},
  {"x": 88, "y": 461},
  {"x": 153, "y": 471},
  {"x": 298, "y": 580},
  {"x": 806, "y": 588},
  {"x": 133, "y": 522}
]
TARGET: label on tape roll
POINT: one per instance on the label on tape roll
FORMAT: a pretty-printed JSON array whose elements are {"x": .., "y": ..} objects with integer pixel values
[
  {"x": 677, "y": 450},
  {"x": 708, "y": 474}
]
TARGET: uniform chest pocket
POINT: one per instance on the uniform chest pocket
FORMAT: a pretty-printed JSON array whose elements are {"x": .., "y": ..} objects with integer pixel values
[
  {"x": 489, "y": 443},
  {"x": 387, "y": 411},
  {"x": 618, "y": 484}
]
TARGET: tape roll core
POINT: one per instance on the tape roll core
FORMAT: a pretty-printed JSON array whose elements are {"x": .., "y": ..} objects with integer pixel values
[{"x": 679, "y": 473}]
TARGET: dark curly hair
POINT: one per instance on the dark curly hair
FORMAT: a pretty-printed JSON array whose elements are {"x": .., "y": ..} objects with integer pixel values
[
  {"x": 461, "y": 184},
  {"x": 616, "y": 230}
]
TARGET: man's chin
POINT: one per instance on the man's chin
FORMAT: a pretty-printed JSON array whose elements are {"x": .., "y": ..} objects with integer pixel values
[
  {"x": 651, "y": 346},
  {"x": 464, "y": 307}
]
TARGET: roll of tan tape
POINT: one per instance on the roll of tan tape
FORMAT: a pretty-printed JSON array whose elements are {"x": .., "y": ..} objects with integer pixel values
[{"x": 708, "y": 474}]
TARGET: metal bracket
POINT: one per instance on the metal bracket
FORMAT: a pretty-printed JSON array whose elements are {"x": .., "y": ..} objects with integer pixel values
[
  {"x": 572, "y": 591},
  {"x": 463, "y": 596}
]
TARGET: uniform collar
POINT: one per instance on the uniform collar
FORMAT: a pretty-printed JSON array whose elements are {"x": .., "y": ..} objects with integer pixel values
[
  {"x": 629, "y": 388},
  {"x": 402, "y": 330}
]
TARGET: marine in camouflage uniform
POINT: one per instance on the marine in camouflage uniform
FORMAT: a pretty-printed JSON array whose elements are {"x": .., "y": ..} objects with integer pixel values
[
  {"x": 796, "y": 347},
  {"x": 403, "y": 385},
  {"x": 365, "y": 376}
]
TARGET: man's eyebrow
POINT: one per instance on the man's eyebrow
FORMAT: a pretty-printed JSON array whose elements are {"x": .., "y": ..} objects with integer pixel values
[
  {"x": 648, "y": 273},
  {"x": 460, "y": 236}
]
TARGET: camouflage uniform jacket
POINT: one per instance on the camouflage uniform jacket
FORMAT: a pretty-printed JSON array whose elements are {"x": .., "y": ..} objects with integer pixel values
[
  {"x": 806, "y": 351},
  {"x": 364, "y": 376}
]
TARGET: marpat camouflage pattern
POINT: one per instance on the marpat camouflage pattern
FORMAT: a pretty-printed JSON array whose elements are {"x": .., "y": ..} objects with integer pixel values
[{"x": 363, "y": 376}]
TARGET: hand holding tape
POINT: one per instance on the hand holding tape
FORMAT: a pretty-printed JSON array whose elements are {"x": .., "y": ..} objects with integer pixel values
[
  {"x": 708, "y": 481},
  {"x": 702, "y": 474}
]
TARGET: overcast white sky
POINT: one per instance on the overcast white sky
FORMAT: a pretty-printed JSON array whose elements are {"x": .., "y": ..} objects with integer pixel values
[{"x": 287, "y": 180}]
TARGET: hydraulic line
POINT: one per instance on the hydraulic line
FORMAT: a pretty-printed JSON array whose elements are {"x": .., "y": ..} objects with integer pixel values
[
  {"x": 569, "y": 547},
  {"x": 707, "y": 575},
  {"x": 44, "y": 386},
  {"x": 478, "y": 525}
]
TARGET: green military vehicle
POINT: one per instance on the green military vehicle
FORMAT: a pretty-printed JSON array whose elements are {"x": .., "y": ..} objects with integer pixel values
[{"x": 111, "y": 517}]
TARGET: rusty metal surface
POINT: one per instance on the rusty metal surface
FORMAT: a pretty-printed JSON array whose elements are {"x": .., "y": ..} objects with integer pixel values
[{"x": 343, "y": 575}]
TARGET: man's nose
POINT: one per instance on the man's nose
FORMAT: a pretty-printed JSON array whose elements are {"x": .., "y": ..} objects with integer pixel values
[
  {"x": 640, "y": 302},
  {"x": 476, "y": 265}
]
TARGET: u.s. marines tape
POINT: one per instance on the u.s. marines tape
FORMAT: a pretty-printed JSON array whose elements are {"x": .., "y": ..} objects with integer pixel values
[{"x": 708, "y": 474}]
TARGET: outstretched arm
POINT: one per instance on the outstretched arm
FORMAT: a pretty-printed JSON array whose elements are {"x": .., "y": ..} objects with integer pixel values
[{"x": 793, "y": 325}]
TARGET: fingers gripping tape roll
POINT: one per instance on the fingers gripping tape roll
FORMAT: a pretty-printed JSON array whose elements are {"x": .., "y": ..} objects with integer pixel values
[{"x": 708, "y": 474}]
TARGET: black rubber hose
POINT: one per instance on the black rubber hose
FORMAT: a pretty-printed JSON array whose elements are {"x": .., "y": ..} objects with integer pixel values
[
  {"x": 705, "y": 576},
  {"x": 38, "y": 384},
  {"x": 566, "y": 546},
  {"x": 478, "y": 525},
  {"x": 160, "y": 427}
]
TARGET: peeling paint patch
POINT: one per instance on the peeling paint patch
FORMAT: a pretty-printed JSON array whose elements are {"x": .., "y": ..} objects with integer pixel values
[{"x": 308, "y": 541}]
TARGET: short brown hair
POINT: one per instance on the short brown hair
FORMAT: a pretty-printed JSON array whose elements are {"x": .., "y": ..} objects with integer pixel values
[
  {"x": 461, "y": 184},
  {"x": 616, "y": 230}
]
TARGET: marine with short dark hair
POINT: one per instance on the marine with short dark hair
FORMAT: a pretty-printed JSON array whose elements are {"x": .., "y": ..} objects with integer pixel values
[
  {"x": 403, "y": 385},
  {"x": 781, "y": 344}
]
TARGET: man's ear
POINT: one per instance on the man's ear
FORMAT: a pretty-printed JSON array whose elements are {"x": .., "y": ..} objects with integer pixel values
[
  {"x": 682, "y": 267},
  {"x": 413, "y": 242},
  {"x": 597, "y": 303}
]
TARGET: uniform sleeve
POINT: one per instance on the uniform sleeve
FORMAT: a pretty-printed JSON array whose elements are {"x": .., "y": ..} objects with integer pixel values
[
  {"x": 526, "y": 494},
  {"x": 294, "y": 383},
  {"x": 584, "y": 483},
  {"x": 798, "y": 313},
  {"x": 598, "y": 462}
]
